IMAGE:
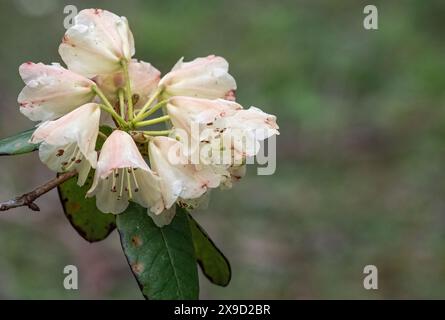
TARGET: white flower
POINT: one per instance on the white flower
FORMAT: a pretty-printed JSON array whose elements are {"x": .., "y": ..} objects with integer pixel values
[
  {"x": 97, "y": 43},
  {"x": 231, "y": 139},
  {"x": 179, "y": 179},
  {"x": 185, "y": 110},
  {"x": 69, "y": 142},
  {"x": 144, "y": 79},
  {"x": 122, "y": 175},
  {"x": 235, "y": 173},
  {"x": 51, "y": 91},
  {"x": 203, "y": 77}
]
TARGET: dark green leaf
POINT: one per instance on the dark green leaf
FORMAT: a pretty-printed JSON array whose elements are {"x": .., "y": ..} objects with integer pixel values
[
  {"x": 92, "y": 224},
  {"x": 162, "y": 259},
  {"x": 212, "y": 261},
  {"x": 18, "y": 144}
]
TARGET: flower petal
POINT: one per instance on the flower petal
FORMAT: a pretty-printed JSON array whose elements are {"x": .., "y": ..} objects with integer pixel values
[
  {"x": 80, "y": 126},
  {"x": 203, "y": 77},
  {"x": 97, "y": 42},
  {"x": 178, "y": 178},
  {"x": 51, "y": 91},
  {"x": 144, "y": 79},
  {"x": 123, "y": 175}
]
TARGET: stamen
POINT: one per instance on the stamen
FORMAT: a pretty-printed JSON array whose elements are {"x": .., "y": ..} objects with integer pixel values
[
  {"x": 135, "y": 180},
  {"x": 130, "y": 196},
  {"x": 77, "y": 155},
  {"x": 113, "y": 185},
  {"x": 122, "y": 185}
]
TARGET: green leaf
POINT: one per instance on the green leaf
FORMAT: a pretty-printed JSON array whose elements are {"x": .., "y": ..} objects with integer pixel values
[
  {"x": 18, "y": 144},
  {"x": 92, "y": 224},
  {"x": 212, "y": 261},
  {"x": 161, "y": 259}
]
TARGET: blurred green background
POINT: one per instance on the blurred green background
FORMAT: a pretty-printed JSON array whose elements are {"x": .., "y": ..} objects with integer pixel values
[{"x": 360, "y": 175}]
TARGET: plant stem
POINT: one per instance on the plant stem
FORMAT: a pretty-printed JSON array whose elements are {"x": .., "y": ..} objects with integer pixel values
[
  {"x": 117, "y": 117},
  {"x": 128, "y": 89},
  {"x": 121, "y": 102},
  {"x": 28, "y": 199},
  {"x": 157, "y": 132},
  {"x": 108, "y": 107},
  {"x": 147, "y": 105},
  {"x": 103, "y": 136},
  {"x": 155, "y": 108},
  {"x": 151, "y": 121}
]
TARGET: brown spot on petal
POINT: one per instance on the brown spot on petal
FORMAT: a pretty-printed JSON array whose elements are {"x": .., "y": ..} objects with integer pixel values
[{"x": 60, "y": 153}]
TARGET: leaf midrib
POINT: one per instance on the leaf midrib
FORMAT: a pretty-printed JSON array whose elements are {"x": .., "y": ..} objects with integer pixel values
[{"x": 181, "y": 294}]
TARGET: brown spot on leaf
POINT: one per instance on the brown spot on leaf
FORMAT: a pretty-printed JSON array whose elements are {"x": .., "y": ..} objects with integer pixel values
[
  {"x": 73, "y": 207},
  {"x": 136, "y": 241},
  {"x": 137, "y": 267}
]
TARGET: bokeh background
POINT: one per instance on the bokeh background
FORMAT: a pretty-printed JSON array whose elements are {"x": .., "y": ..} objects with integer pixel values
[{"x": 360, "y": 176}]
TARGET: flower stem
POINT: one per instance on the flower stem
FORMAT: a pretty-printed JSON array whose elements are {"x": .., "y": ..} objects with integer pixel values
[
  {"x": 116, "y": 117},
  {"x": 128, "y": 89},
  {"x": 121, "y": 102},
  {"x": 155, "y": 108},
  {"x": 152, "y": 121},
  {"x": 108, "y": 107},
  {"x": 147, "y": 105},
  {"x": 157, "y": 132},
  {"x": 103, "y": 136}
]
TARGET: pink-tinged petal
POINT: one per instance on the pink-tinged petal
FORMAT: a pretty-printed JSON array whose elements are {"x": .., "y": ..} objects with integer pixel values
[
  {"x": 97, "y": 42},
  {"x": 69, "y": 143},
  {"x": 51, "y": 91},
  {"x": 254, "y": 120},
  {"x": 179, "y": 179},
  {"x": 231, "y": 139},
  {"x": 80, "y": 126},
  {"x": 184, "y": 110},
  {"x": 123, "y": 175},
  {"x": 144, "y": 81},
  {"x": 203, "y": 77},
  {"x": 119, "y": 151}
]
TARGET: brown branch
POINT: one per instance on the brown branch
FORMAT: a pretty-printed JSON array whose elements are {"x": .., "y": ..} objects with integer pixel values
[{"x": 28, "y": 199}]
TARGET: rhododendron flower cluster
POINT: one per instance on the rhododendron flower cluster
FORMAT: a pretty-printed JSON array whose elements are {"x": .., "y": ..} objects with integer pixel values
[{"x": 154, "y": 168}]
